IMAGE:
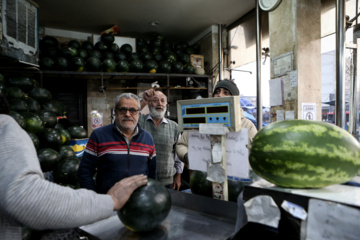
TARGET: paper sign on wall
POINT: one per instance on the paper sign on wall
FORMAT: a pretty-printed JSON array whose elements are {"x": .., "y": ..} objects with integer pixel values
[{"x": 309, "y": 111}]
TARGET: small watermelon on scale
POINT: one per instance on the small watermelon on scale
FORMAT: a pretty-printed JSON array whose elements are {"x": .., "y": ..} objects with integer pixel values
[{"x": 304, "y": 154}]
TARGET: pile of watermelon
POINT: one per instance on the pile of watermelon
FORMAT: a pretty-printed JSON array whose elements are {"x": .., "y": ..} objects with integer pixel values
[
  {"x": 156, "y": 55},
  {"x": 35, "y": 110}
]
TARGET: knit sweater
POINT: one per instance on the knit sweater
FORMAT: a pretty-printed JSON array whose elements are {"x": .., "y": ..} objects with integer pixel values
[
  {"x": 165, "y": 137},
  {"x": 109, "y": 156},
  {"x": 27, "y": 199}
]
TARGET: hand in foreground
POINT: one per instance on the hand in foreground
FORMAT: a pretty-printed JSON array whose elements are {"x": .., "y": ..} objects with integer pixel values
[
  {"x": 123, "y": 189},
  {"x": 177, "y": 181},
  {"x": 148, "y": 94}
]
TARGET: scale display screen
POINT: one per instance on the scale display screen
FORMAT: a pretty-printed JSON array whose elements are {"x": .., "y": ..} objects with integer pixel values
[{"x": 224, "y": 111}]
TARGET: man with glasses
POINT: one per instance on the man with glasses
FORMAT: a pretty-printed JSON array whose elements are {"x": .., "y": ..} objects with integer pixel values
[
  {"x": 165, "y": 134},
  {"x": 118, "y": 150}
]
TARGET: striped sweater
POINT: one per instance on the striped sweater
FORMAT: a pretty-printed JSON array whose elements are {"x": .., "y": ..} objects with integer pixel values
[{"x": 108, "y": 155}]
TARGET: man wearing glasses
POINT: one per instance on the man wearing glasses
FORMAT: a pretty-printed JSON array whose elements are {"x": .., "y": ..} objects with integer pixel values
[
  {"x": 165, "y": 134},
  {"x": 118, "y": 150}
]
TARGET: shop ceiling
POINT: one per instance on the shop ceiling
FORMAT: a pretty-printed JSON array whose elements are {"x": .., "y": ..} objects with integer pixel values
[{"x": 177, "y": 20}]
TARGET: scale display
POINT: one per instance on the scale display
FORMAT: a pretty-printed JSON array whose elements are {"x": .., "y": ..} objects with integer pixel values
[{"x": 224, "y": 111}]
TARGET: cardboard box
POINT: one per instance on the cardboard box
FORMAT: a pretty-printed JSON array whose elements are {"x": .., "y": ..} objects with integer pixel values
[{"x": 78, "y": 145}]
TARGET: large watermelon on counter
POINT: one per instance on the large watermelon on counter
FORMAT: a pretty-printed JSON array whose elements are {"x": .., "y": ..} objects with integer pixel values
[
  {"x": 304, "y": 154},
  {"x": 146, "y": 208}
]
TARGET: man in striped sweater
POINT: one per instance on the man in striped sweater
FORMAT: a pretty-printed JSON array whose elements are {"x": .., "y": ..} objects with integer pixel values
[
  {"x": 165, "y": 134},
  {"x": 118, "y": 150}
]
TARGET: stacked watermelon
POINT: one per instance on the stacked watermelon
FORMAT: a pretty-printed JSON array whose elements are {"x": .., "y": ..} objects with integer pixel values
[
  {"x": 35, "y": 110},
  {"x": 156, "y": 55}
]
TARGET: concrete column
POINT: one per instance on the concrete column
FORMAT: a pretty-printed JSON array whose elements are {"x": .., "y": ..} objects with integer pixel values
[{"x": 294, "y": 28}]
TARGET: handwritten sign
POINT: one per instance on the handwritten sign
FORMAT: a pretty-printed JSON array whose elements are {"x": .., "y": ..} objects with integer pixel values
[
  {"x": 237, "y": 154},
  {"x": 199, "y": 151}
]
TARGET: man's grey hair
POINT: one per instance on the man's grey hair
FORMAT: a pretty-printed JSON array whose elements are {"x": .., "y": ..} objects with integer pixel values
[{"x": 127, "y": 96}]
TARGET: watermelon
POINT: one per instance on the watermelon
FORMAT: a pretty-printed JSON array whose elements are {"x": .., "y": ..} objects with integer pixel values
[
  {"x": 24, "y": 83},
  {"x": 107, "y": 55},
  {"x": 14, "y": 92},
  {"x": 66, "y": 151},
  {"x": 74, "y": 44},
  {"x": 83, "y": 53},
  {"x": 100, "y": 46},
  {"x": 54, "y": 106},
  {"x": 50, "y": 138},
  {"x": 33, "y": 105},
  {"x": 48, "y": 159},
  {"x": 151, "y": 66},
  {"x": 304, "y": 154},
  {"x": 107, "y": 38},
  {"x": 61, "y": 64},
  {"x": 93, "y": 64},
  {"x": 34, "y": 124},
  {"x": 46, "y": 63},
  {"x": 3, "y": 89},
  {"x": 35, "y": 140},
  {"x": 87, "y": 45},
  {"x": 108, "y": 65},
  {"x": 164, "y": 67},
  {"x": 49, "y": 118},
  {"x": 120, "y": 56},
  {"x": 123, "y": 66},
  {"x": 65, "y": 135},
  {"x": 18, "y": 118},
  {"x": 199, "y": 184},
  {"x": 77, "y": 64},
  {"x": 47, "y": 42},
  {"x": 77, "y": 132},
  {"x": 42, "y": 95},
  {"x": 136, "y": 66},
  {"x": 126, "y": 48},
  {"x": 114, "y": 48},
  {"x": 65, "y": 171},
  {"x": 95, "y": 53},
  {"x": 146, "y": 208},
  {"x": 18, "y": 105},
  {"x": 69, "y": 52}
]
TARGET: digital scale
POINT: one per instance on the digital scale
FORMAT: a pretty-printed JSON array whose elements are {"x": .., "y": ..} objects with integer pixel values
[{"x": 224, "y": 110}]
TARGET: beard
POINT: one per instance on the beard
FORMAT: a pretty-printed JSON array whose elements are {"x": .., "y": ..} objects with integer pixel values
[{"x": 155, "y": 113}]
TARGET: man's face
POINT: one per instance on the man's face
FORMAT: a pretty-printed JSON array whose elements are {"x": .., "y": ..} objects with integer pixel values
[
  {"x": 127, "y": 114},
  {"x": 222, "y": 92},
  {"x": 157, "y": 105}
]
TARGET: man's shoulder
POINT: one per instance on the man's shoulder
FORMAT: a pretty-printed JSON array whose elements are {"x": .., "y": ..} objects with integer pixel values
[{"x": 171, "y": 122}]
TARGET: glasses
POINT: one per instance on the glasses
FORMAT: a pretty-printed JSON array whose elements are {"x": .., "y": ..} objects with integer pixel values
[{"x": 123, "y": 111}]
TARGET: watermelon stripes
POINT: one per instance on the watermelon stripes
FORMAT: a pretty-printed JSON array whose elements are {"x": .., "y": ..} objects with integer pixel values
[{"x": 305, "y": 154}]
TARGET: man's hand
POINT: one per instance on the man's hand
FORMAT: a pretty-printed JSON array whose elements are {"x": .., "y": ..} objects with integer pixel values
[
  {"x": 177, "y": 181},
  {"x": 147, "y": 96},
  {"x": 123, "y": 189}
]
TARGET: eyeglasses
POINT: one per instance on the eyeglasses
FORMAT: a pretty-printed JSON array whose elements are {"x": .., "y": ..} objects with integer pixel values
[{"x": 123, "y": 111}]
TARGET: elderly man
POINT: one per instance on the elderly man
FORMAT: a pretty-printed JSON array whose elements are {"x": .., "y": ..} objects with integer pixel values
[
  {"x": 118, "y": 150},
  {"x": 165, "y": 134}
]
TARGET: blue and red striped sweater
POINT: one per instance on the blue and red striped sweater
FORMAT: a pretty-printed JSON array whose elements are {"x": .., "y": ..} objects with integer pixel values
[{"x": 108, "y": 155}]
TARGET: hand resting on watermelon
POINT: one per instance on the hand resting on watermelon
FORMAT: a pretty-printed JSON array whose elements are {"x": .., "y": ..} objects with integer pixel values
[{"x": 123, "y": 189}]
